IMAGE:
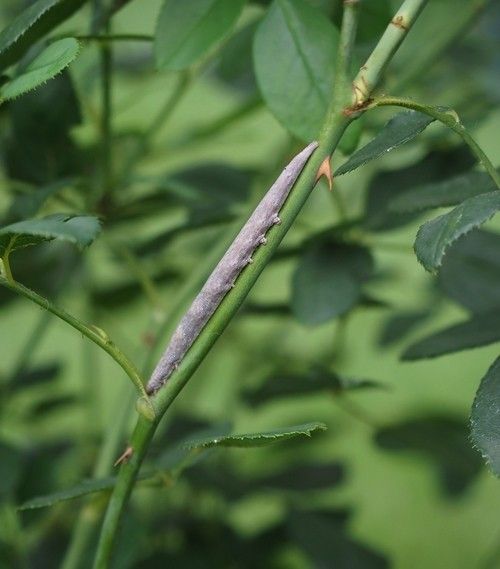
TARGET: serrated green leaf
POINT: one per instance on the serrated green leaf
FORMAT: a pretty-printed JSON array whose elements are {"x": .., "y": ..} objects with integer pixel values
[
  {"x": 328, "y": 281},
  {"x": 258, "y": 439},
  {"x": 46, "y": 65},
  {"x": 294, "y": 56},
  {"x": 485, "y": 417},
  {"x": 480, "y": 330},
  {"x": 434, "y": 237},
  {"x": 31, "y": 25},
  {"x": 399, "y": 130},
  {"x": 443, "y": 194},
  {"x": 188, "y": 29},
  {"x": 78, "y": 229},
  {"x": 470, "y": 273}
]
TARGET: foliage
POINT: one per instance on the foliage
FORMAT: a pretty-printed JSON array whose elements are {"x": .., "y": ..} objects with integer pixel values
[{"x": 135, "y": 140}]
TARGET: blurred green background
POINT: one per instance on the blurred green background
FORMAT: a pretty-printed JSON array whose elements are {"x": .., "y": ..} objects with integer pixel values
[{"x": 399, "y": 504}]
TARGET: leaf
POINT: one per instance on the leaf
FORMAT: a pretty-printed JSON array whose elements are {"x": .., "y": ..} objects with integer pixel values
[
  {"x": 82, "y": 489},
  {"x": 387, "y": 185},
  {"x": 328, "y": 281},
  {"x": 187, "y": 30},
  {"x": 470, "y": 273},
  {"x": 485, "y": 417},
  {"x": 29, "y": 376},
  {"x": 399, "y": 325},
  {"x": 258, "y": 439},
  {"x": 304, "y": 477},
  {"x": 294, "y": 58},
  {"x": 480, "y": 330},
  {"x": 12, "y": 462},
  {"x": 402, "y": 128},
  {"x": 435, "y": 236},
  {"x": 32, "y": 24},
  {"x": 373, "y": 20},
  {"x": 327, "y": 543},
  {"x": 78, "y": 229},
  {"x": 27, "y": 204},
  {"x": 318, "y": 381},
  {"x": 442, "y": 439},
  {"x": 51, "y": 61},
  {"x": 235, "y": 66},
  {"x": 444, "y": 193},
  {"x": 39, "y": 148}
]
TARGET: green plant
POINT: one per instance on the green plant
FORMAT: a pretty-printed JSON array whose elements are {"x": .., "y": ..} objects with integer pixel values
[{"x": 68, "y": 149}]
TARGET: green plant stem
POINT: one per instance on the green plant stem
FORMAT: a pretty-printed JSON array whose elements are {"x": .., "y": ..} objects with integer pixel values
[
  {"x": 336, "y": 122},
  {"x": 370, "y": 73},
  {"x": 98, "y": 338},
  {"x": 450, "y": 119}
]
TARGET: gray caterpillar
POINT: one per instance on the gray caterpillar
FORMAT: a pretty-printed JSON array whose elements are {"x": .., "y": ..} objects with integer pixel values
[{"x": 222, "y": 279}]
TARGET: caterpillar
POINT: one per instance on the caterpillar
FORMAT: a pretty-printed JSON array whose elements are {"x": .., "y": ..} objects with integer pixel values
[{"x": 223, "y": 277}]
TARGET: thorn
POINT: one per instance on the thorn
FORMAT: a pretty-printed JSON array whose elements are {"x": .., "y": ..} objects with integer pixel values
[
  {"x": 326, "y": 170},
  {"x": 125, "y": 457},
  {"x": 263, "y": 240}
]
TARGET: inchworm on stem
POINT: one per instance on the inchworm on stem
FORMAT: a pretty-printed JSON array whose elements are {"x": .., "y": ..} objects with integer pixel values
[{"x": 223, "y": 277}]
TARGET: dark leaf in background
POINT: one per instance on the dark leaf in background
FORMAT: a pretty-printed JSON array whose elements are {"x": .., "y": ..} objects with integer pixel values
[
  {"x": 43, "y": 467},
  {"x": 444, "y": 440},
  {"x": 187, "y": 30},
  {"x": 485, "y": 417},
  {"x": 156, "y": 244},
  {"x": 119, "y": 295},
  {"x": 80, "y": 230},
  {"x": 34, "y": 22},
  {"x": 235, "y": 65},
  {"x": 434, "y": 237},
  {"x": 45, "y": 268},
  {"x": 11, "y": 461},
  {"x": 209, "y": 191},
  {"x": 444, "y": 193},
  {"x": 43, "y": 67},
  {"x": 39, "y": 149},
  {"x": 84, "y": 488},
  {"x": 374, "y": 16},
  {"x": 388, "y": 185},
  {"x": 35, "y": 375},
  {"x": 294, "y": 59},
  {"x": 399, "y": 130},
  {"x": 277, "y": 387},
  {"x": 327, "y": 543},
  {"x": 470, "y": 273},
  {"x": 328, "y": 280},
  {"x": 399, "y": 325},
  {"x": 53, "y": 404},
  {"x": 304, "y": 477},
  {"x": 26, "y": 204},
  {"x": 480, "y": 330}
]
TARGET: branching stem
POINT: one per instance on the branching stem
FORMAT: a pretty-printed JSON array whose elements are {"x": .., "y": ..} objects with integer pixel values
[
  {"x": 98, "y": 337},
  {"x": 337, "y": 120},
  {"x": 450, "y": 119}
]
